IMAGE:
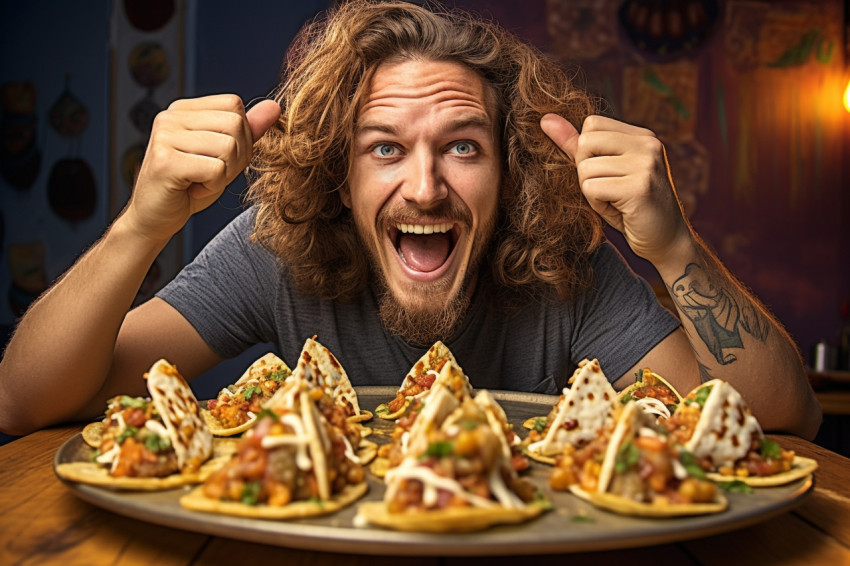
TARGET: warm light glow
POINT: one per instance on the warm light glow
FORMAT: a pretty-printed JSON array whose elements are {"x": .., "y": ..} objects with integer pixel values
[{"x": 847, "y": 96}]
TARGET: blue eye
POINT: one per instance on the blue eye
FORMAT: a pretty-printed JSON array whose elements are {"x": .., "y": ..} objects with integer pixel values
[
  {"x": 463, "y": 148},
  {"x": 385, "y": 150}
]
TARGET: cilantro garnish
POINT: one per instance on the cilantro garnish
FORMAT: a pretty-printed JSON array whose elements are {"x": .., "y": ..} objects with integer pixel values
[
  {"x": 690, "y": 463},
  {"x": 382, "y": 410},
  {"x": 626, "y": 398},
  {"x": 316, "y": 501},
  {"x": 156, "y": 443},
  {"x": 267, "y": 413},
  {"x": 769, "y": 449},
  {"x": 280, "y": 375},
  {"x": 735, "y": 486},
  {"x": 95, "y": 455},
  {"x": 252, "y": 390},
  {"x": 627, "y": 456},
  {"x": 135, "y": 402},
  {"x": 469, "y": 424},
  {"x": 250, "y": 493},
  {"x": 539, "y": 424},
  {"x": 582, "y": 519},
  {"x": 126, "y": 433},
  {"x": 439, "y": 449},
  {"x": 701, "y": 396}
]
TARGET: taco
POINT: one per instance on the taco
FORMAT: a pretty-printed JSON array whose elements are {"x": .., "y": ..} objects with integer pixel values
[
  {"x": 234, "y": 409},
  {"x": 636, "y": 470},
  {"x": 652, "y": 393},
  {"x": 318, "y": 365},
  {"x": 714, "y": 423},
  {"x": 419, "y": 381},
  {"x": 462, "y": 481},
  {"x": 294, "y": 462},
  {"x": 426, "y": 412},
  {"x": 581, "y": 411},
  {"x": 151, "y": 443}
]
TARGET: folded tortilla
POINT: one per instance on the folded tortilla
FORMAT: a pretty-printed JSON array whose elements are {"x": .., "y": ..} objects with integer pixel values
[
  {"x": 318, "y": 365},
  {"x": 725, "y": 434},
  {"x": 429, "y": 368},
  {"x": 300, "y": 447},
  {"x": 583, "y": 410},
  {"x": 426, "y": 492},
  {"x": 182, "y": 426},
  {"x": 259, "y": 371},
  {"x": 652, "y": 393},
  {"x": 623, "y": 486}
]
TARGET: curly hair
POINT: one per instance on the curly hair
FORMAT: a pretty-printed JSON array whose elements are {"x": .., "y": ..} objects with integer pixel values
[{"x": 546, "y": 230}]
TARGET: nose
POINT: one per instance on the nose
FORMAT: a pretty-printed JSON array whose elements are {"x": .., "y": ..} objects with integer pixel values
[{"x": 424, "y": 184}]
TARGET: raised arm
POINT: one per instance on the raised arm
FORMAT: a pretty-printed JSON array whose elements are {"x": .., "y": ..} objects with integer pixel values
[
  {"x": 77, "y": 344},
  {"x": 728, "y": 334}
]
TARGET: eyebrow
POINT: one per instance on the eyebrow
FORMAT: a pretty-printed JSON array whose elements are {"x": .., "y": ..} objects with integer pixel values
[{"x": 476, "y": 121}]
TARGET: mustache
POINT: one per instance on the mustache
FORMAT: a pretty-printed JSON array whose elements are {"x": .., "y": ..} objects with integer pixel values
[{"x": 445, "y": 211}]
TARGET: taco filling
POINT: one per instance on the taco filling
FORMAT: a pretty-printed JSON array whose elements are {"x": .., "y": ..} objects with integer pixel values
[
  {"x": 300, "y": 450},
  {"x": 239, "y": 403},
  {"x": 420, "y": 379},
  {"x": 716, "y": 425},
  {"x": 462, "y": 480}
]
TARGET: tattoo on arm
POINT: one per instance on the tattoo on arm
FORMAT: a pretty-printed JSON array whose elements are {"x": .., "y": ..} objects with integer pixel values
[{"x": 717, "y": 314}]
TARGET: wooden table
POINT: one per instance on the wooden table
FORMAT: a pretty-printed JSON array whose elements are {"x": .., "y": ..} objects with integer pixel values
[{"x": 43, "y": 522}]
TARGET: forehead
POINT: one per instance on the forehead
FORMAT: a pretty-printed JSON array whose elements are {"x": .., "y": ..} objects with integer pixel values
[{"x": 439, "y": 85}]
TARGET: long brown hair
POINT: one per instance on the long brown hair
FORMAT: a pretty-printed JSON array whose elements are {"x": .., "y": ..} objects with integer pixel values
[{"x": 546, "y": 230}]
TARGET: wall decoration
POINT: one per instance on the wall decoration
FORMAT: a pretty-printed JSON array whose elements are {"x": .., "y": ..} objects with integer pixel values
[
  {"x": 71, "y": 187},
  {"x": 668, "y": 29},
  {"x": 148, "y": 60},
  {"x": 662, "y": 97},
  {"x": 582, "y": 29}
]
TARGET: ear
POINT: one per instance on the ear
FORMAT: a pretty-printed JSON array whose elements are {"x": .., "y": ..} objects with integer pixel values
[{"x": 345, "y": 196}]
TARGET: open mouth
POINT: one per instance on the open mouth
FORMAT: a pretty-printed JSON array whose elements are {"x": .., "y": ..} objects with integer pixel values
[{"x": 424, "y": 247}]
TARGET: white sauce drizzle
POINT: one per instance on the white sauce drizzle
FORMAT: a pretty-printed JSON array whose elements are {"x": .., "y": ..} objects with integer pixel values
[{"x": 298, "y": 438}]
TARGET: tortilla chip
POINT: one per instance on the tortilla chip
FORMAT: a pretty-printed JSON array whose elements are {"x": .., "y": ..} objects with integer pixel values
[
  {"x": 382, "y": 411},
  {"x": 625, "y": 506},
  {"x": 532, "y": 422},
  {"x": 218, "y": 430},
  {"x": 366, "y": 452},
  {"x": 197, "y": 501},
  {"x": 361, "y": 418},
  {"x": 452, "y": 520},
  {"x": 93, "y": 473},
  {"x": 539, "y": 457},
  {"x": 800, "y": 468},
  {"x": 93, "y": 434}
]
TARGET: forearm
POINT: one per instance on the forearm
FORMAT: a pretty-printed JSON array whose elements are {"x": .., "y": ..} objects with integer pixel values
[
  {"x": 61, "y": 352},
  {"x": 734, "y": 338}
]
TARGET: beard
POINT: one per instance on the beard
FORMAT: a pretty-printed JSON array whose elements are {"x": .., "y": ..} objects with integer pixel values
[
  {"x": 428, "y": 311},
  {"x": 434, "y": 316}
]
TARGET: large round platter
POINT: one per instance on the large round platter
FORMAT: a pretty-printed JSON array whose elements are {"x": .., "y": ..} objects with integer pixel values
[{"x": 573, "y": 525}]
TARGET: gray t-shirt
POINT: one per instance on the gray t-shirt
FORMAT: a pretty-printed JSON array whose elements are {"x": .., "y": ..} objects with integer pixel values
[{"x": 236, "y": 295}]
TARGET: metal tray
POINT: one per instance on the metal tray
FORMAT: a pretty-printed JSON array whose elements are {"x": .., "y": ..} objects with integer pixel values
[{"x": 573, "y": 525}]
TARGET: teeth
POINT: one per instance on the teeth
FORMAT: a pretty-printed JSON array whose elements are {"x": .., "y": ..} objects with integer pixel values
[{"x": 424, "y": 229}]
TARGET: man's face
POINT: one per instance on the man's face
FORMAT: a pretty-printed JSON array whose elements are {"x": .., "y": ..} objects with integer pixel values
[{"x": 423, "y": 191}]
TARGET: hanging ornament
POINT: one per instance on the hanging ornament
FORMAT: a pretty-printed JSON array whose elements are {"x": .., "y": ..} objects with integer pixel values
[
  {"x": 71, "y": 189},
  {"x": 148, "y": 63},
  {"x": 148, "y": 15},
  {"x": 668, "y": 29},
  {"x": 68, "y": 116}
]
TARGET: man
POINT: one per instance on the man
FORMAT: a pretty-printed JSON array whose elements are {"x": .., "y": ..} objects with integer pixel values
[{"x": 409, "y": 192}]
